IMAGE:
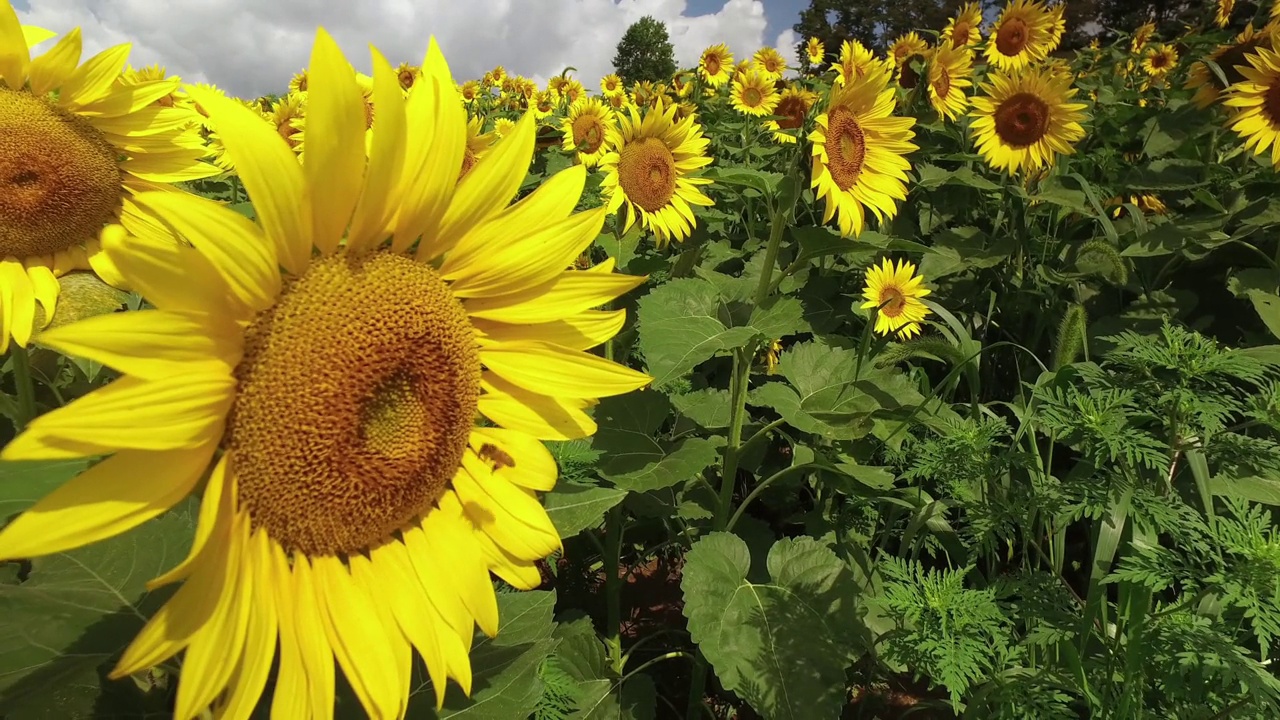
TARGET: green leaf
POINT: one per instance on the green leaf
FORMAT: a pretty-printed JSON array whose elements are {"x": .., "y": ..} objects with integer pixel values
[
  {"x": 634, "y": 458},
  {"x": 821, "y": 397},
  {"x": 24, "y": 482},
  {"x": 574, "y": 508},
  {"x": 1252, "y": 488},
  {"x": 1268, "y": 308},
  {"x": 62, "y": 627},
  {"x": 765, "y": 182},
  {"x": 683, "y": 323},
  {"x": 709, "y": 407},
  {"x": 782, "y": 645}
]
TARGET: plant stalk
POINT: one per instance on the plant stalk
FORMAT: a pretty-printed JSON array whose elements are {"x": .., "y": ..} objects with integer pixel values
[
  {"x": 613, "y": 587},
  {"x": 25, "y": 386}
]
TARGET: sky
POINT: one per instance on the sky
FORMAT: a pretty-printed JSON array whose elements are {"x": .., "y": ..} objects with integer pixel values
[{"x": 251, "y": 48}]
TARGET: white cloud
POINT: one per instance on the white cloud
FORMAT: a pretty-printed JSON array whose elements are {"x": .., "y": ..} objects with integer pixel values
[{"x": 251, "y": 48}]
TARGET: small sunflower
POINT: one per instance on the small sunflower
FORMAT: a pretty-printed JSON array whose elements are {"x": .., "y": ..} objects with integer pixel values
[
  {"x": 610, "y": 84},
  {"x": 1229, "y": 58},
  {"x": 543, "y": 103},
  {"x": 75, "y": 148},
  {"x": 859, "y": 152},
  {"x": 353, "y": 507},
  {"x": 769, "y": 61},
  {"x": 477, "y": 144},
  {"x": 964, "y": 29},
  {"x": 407, "y": 75},
  {"x": 1025, "y": 119},
  {"x": 1058, "y": 25},
  {"x": 793, "y": 107},
  {"x": 288, "y": 116},
  {"x": 1148, "y": 204},
  {"x": 502, "y": 127},
  {"x": 716, "y": 65},
  {"x": 470, "y": 91},
  {"x": 497, "y": 76},
  {"x": 1256, "y": 98},
  {"x": 619, "y": 101},
  {"x": 906, "y": 47},
  {"x": 1022, "y": 36},
  {"x": 815, "y": 52},
  {"x": 894, "y": 293},
  {"x": 771, "y": 356},
  {"x": 682, "y": 83},
  {"x": 1141, "y": 37},
  {"x": 650, "y": 167},
  {"x": 587, "y": 130},
  {"x": 298, "y": 83},
  {"x": 1159, "y": 59},
  {"x": 950, "y": 68},
  {"x": 643, "y": 93},
  {"x": 557, "y": 84},
  {"x": 1222, "y": 16},
  {"x": 855, "y": 61},
  {"x": 754, "y": 94}
]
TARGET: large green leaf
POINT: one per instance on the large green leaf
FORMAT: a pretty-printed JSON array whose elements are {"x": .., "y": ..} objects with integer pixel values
[
  {"x": 574, "y": 508},
  {"x": 62, "y": 627},
  {"x": 821, "y": 395},
  {"x": 782, "y": 645},
  {"x": 634, "y": 457},
  {"x": 22, "y": 483}
]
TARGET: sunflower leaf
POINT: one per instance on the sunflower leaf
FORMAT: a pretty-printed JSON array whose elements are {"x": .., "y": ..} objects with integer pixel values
[
  {"x": 635, "y": 457},
  {"x": 574, "y": 508},
  {"x": 783, "y": 645}
]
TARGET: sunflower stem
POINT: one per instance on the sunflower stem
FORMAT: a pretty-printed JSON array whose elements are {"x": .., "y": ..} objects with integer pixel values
[
  {"x": 613, "y": 587},
  {"x": 25, "y": 386}
]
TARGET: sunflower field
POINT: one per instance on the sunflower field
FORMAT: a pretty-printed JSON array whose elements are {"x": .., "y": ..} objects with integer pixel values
[{"x": 935, "y": 382}]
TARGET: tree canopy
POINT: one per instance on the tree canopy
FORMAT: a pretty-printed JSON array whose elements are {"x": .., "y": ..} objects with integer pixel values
[{"x": 645, "y": 52}]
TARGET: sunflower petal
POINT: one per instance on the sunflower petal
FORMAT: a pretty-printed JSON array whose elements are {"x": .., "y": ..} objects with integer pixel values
[
  {"x": 335, "y": 157},
  {"x": 513, "y": 519},
  {"x": 169, "y": 275},
  {"x": 490, "y": 185},
  {"x": 19, "y": 302},
  {"x": 93, "y": 80},
  {"x": 312, "y": 639},
  {"x": 532, "y": 465},
  {"x": 49, "y": 70},
  {"x": 375, "y": 209},
  {"x": 350, "y": 621},
  {"x": 152, "y": 344},
  {"x": 582, "y": 331},
  {"x": 543, "y": 417},
  {"x": 250, "y": 677},
  {"x": 560, "y": 372},
  {"x": 15, "y": 56},
  {"x": 571, "y": 293},
  {"x": 206, "y": 523}
]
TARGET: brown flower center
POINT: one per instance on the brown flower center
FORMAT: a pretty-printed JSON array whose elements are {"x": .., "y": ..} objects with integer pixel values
[
  {"x": 942, "y": 84},
  {"x": 356, "y": 397},
  {"x": 712, "y": 63},
  {"x": 647, "y": 173},
  {"x": 588, "y": 133},
  {"x": 1229, "y": 59},
  {"x": 791, "y": 112},
  {"x": 751, "y": 97},
  {"x": 1271, "y": 103},
  {"x": 1022, "y": 119},
  {"x": 960, "y": 34},
  {"x": 846, "y": 147},
  {"x": 892, "y": 302},
  {"x": 407, "y": 77},
  {"x": 59, "y": 177},
  {"x": 1012, "y": 37},
  {"x": 908, "y": 77}
]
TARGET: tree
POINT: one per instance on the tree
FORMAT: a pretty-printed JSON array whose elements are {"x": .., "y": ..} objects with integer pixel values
[{"x": 645, "y": 53}]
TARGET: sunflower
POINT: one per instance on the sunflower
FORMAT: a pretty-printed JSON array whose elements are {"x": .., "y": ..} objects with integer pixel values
[
  {"x": 906, "y": 47},
  {"x": 1222, "y": 15},
  {"x": 1229, "y": 58},
  {"x": 470, "y": 90},
  {"x": 476, "y": 146},
  {"x": 543, "y": 103},
  {"x": 1275, "y": 8},
  {"x": 1025, "y": 118},
  {"x": 1141, "y": 36},
  {"x": 949, "y": 70},
  {"x": 288, "y": 116},
  {"x": 1058, "y": 26},
  {"x": 619, "y": 101},
  {"x": 574, "y": 91},
  {"x": 769, "y": 61},
  {"x": 771, "y": 356},
  {"x": 1022, "y": 35},
  {"x": 682, "y": 83},
  {"x": 894, "y": 293},
  {"x": 586, "y": 130},
  {"x": 855, "y": 61},
  {"x": 149, "y": 74},
  {"x": 407, "y": 75},
  {"x": 502, "y": 127},
  {"x": 965, "y": 28},
  {"x": 793, "y": 107},
  {"x": 815, "y": 53},
  {"x": 1149, "y": 204},
  {"x": 642, "y": 93},
  {"x": 650, "y": 167},
  {"x": 754, "y": 94},
  {"x": 859, "y": 152},
  {"x": 354, "y": 508},
  {"x": 497, "y": 76},
  {"x": 715, "y": 65},
  {"x": 298, "y": 83},
  {"x": 610, "y": 84},
  {"x": 1256, "y": 98},
  {"x": 75, "y": 148},
  {"x": 1159, "y": 60},
  {"x": 557, "y": 84}
]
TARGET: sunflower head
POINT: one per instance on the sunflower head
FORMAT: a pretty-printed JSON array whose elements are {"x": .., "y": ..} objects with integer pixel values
[
  {"x": 650, "y": 169},
  {"x": 1025, "y": 119},
  {"x": 1256, "y": 102},
  {"x": 815, "y": 52},
  {"x": 298, "y": 83},
  {"x": 1222, "y": 14},
  {"x": 716, "y": 65},
  {"x": 794, "y": 103},
  {"x": 470, "y": 91},
  {"x": 682, "y": 83},
  {"x": 894, "y": 293},
  {"x": 1159, "y": 60},
  {"x": 1141, "y": 37},
  {"x": 1229, "y": 58},
  {"x": 587, "y": 130},
  {"x": 407, "y": 75},
  {"x": 950, "y": 69},
  {"x": 964, "y": 29},
  {"x": 769, "y": 62},
  {"x": 855, "y": 62},
  {"x": 610, "y": 84},
  {"x": 905, "y": 47},
  {"x": 753, "y": 94},
  {"x": 543, "y": 103},
  {"x": 1022, "y": 36}
]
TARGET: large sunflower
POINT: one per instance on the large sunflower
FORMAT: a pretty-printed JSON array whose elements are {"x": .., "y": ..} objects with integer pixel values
[
  {"x": 965, "y": 28},
  {"x": 1229, "y": 58},
  {"x": 950, "y": 68},
  {"x": 75, "y": 145},
  {"x": 793, "y": 107},
  {"x": 1026, "y": 118},
  {"x": 753, "y": 93},
  {"x": 716, "y": 65},
  {"x": 1022, "y": 35},
  {"x": 859, "y": 152},
  {"x": 354, "y": 506},
  {"x": 1257, "y": 100},
  {"x": 650, "y": 167},
  {"x": 769, "y": 61},
  {"x": 586, "y": 130},
  {"x": 894, "y": 293}
]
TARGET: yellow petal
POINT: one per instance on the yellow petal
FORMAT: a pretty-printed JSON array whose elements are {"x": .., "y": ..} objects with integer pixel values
[
  {"x": 126, "y": 99},
  {"x": 513, "y": 519},
  {"x": 169, "y": 275},
  {"x": 432, "y": 572},
  {"x": 114, "y": 496},
  {"x": 260, "y": 642},
  {"x": 433, "y": 156},
  {"x": 560, "y": 372},
  {"x": 291, "y": 700},
  {"x": 582, "y": 331},
  {"x": 36, "y": 35},
  {"x": 334, "y": 165},
  {"x": 376, "y": 586},
  {"x": 490, "y": 185},
  {"x": 93, "y": 80},
  {"x": 14, "y": 53},
  {"x": 50, "y": 69},
  {"x": 19, "y": 302},
  {"x": 46, "y": 288},
  {"x": 169, "y": 414},
  {"x": 152, "y": 344},
  {"x": 233, "y": 244},
  {"x": 543, "y": 417},
  {"x": 573, "y": 292},
  {"x": 375, "y": 210},
  {"x": 520, "y": 574},
  {"x": 533, "y": 466},
  {"x": 270, "y": 173},
  {"x": 408, "y": 600},
  {"x": 312, "y": 638},
  {"x": 356, "y": 633}
]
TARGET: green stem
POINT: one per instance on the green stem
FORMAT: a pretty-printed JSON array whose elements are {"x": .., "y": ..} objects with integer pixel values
[
  {"x": 771, "y": 255},
  {"x": 613, "y": 586},
  {"x": 755, "y": 492},
  {"x": 654, "y": 661},
  {"x": 738, "y": 408},
  {"x": 24, "y": 385}
]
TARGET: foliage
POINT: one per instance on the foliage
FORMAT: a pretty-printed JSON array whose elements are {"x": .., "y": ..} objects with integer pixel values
[{"x": 644, "y": 53}]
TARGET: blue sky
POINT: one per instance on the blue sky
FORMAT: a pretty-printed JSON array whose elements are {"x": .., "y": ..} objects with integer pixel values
[{"x": 781, "y": 14}]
